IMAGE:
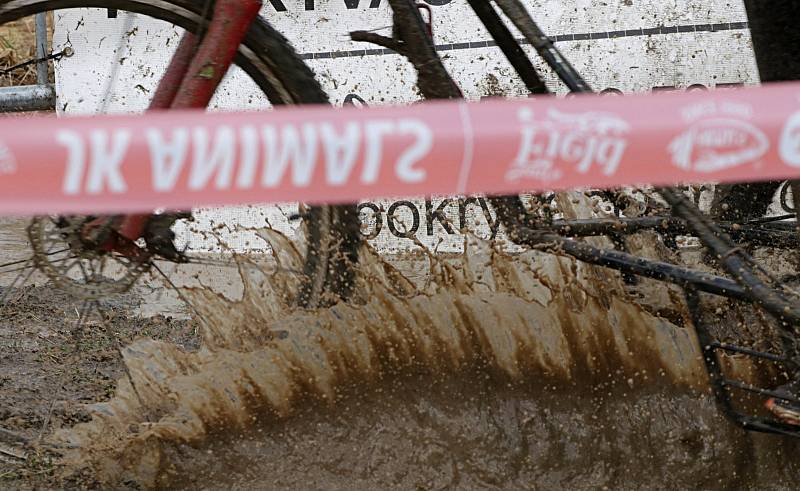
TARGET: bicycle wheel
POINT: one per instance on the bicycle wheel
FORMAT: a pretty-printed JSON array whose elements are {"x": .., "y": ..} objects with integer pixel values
[{"x": 268, "y": 58}]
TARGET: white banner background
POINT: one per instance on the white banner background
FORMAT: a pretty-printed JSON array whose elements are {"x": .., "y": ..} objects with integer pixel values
[{"x": 625, "y": 46}]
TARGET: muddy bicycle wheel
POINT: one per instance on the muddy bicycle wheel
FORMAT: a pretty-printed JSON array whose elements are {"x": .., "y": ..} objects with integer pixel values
[
  {"x": 79, "y": 271},
  {"x": 270, "y": 61}
]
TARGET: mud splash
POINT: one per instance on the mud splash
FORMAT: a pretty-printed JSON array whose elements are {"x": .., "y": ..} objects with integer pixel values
[{"x": 496, "y": 371}]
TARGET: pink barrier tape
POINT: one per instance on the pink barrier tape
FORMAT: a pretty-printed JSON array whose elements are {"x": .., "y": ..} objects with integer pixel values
[{"x": 181, "y": 160}]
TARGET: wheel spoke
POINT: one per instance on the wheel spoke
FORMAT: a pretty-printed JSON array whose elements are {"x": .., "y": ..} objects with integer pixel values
[
  {"x": 83, "y": 314},
  {"x": 84, "y": 273},
  {"x": 23, "y": 268},
  {"x": 14, "y": 263},
  {"x": 69, "y": 267},
  {"x": 25, "y": 274},
  {"x": 26, "y": 260},
  {"x": 50, "y": 249},
  {"x": 93, "y": 268}
]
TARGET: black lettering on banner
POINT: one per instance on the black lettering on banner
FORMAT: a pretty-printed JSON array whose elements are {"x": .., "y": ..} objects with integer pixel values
[
  {"x": 378, "y": 220},
  {"x": 432, "y": 216},
  {"x": 730, "y": 85},
  {"x": 353, "y": 4},
  {"x": 278, "y": 5},
  {"x": 390, "y": 218},
  {"x": 665, "y": 88},
  {"x": 310, "y": 5},
  {"x": 354, "y": 100},
  {"x": 462, "y": 213},
  {"x": 611, "y": 91}
]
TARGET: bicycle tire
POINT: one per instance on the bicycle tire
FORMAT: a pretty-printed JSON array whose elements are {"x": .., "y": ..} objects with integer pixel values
[{"x": 332, "y": 240}]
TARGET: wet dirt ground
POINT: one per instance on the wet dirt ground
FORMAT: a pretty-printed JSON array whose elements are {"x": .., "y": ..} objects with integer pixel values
[
  {"x": 49, "y": 370},
  {"x": 422, "y": 427}
]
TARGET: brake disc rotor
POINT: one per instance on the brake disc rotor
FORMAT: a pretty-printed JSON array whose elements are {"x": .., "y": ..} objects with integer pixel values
[{"x": 72, "y": 266}]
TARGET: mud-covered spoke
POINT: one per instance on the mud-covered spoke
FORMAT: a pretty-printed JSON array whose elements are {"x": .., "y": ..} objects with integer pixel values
[
  {"x": 14, "y": 263},
  {"x": 87, "y": 277},
  {"x": 23, "y": 274},
  {"x": 83, "y": 314},
  {"x": 101, "y": 267}
]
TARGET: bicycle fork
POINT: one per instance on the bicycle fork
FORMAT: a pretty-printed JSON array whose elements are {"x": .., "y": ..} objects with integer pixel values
[{"x": 192, "y": 78}]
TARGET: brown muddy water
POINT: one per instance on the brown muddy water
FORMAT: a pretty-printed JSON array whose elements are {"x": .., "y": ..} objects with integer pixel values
[
  {"x": 466, "y": 432},
  {"x": 483, "y": 371}
]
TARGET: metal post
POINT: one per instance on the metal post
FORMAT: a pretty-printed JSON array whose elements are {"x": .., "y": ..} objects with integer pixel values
[
  {"x": 39, "y": 97},
  {"x": 41, "y": 48},
  {"x": 27, "y": 98}
]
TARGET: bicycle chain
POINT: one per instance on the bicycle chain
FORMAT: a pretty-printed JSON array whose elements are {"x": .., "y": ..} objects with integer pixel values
[{"x": 95, "y": 287}]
